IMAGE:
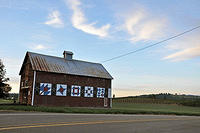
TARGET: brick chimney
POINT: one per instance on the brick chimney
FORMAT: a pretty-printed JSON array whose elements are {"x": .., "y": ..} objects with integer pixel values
[{"x": 68, "y": 55}]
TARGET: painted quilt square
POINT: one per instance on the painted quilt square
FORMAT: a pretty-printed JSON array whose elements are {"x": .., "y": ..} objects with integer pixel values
[
  {"x": 61, "y": 90},
  {"x": 76, "y": 91},
  {"x": 88, "y": 91},
  {"x": 100, "y": 92},
  {"x": 45, "y": 88}
]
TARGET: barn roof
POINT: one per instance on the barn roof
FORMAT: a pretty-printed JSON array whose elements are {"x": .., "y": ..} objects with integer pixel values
[{"x": 54, "y": 64}]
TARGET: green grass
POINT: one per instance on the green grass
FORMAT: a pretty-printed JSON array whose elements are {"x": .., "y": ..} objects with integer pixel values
[
  {"x": 158, "y": 108},
  {"x": 5, "y": 101},
  {"x": 118, "y": 108}
]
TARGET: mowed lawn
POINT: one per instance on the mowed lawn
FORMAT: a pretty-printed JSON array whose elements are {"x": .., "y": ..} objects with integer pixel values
[{"x": 157, "y": 108}]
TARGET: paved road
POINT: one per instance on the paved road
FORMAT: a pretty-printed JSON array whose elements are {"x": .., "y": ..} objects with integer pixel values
[{"x": 86, "y": 123}]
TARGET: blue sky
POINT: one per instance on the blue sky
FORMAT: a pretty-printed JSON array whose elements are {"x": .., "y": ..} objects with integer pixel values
[{"x": 99, "y": 30}]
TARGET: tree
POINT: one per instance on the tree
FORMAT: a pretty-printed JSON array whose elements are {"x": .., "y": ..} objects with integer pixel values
[{"x": 4, "y": 88}]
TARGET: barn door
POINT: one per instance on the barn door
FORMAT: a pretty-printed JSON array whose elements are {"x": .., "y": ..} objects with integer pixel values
[{"x": 105, "y": 102}]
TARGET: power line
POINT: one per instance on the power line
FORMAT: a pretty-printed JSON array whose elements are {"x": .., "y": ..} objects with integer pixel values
[{"x": 170, "y": 38}]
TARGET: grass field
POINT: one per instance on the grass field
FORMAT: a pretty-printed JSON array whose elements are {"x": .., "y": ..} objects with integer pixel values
[
  {"x": 145, "y": 100},
  {"x": 4, "y": 101},
  {"x": 118, "y": 108},
  {"x": 158, "y": 108}
]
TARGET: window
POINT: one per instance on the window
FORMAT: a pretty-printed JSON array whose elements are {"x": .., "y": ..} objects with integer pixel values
[{"x": 22, "y": 84}]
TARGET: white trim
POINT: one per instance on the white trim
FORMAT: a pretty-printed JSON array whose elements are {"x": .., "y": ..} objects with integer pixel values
[
  {"x": 110, "y": 96},
  {"x": 109, "y": 93},
  {"x": 33, "y": 92},
  {"x": 110, "y": 102}
]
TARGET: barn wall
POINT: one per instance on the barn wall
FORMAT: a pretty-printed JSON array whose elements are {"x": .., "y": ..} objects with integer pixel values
[
  {"x": 69, "y": 101},
  {"x": 26, "y": 83},
  {"x": 55, "y": 78}
]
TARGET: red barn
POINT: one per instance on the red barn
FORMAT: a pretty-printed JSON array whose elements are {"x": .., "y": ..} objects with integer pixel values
[{"x": 55, "y": 81}]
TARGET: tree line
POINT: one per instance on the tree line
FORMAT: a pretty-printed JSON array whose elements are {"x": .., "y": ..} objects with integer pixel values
[{"x": 4, "y": 86}]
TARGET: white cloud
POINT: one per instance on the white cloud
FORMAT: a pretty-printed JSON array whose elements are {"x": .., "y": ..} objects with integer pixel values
[
  {"x": 186, "y": 48},
  {"x": 184, "y": 54},
  {"x": 143, "y": 27},
  {"x": 38, "y": 47},
  {"x": 130, "y": 22},
  {"x": 54, "y": 20},
  {"x": 79, "y": 21}
]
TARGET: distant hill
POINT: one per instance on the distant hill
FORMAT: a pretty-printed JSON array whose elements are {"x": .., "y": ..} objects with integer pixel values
[
  {"x": 162, "y": 98},
  {"x": 168, "y": 96}
]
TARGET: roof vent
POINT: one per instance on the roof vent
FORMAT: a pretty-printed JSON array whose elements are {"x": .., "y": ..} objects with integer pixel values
[{"x": 68, "y": 55}]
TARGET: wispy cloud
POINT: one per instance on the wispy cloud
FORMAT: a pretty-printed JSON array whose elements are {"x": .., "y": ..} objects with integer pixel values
[
  {"x": 54, "y": 20},
  {"x": 79, "y": 21},
  {"x": 41, "y": 41},
  {"x": 38, "y": 47},
  {"x": 185, "y": 48},
  {"x": 141, "y": 26}
]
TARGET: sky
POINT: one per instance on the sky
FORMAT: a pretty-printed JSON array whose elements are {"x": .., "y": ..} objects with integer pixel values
[{"x": 97, "y": 30}]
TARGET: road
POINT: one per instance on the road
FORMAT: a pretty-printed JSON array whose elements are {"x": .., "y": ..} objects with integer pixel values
[{"x": 31, "y": 122}]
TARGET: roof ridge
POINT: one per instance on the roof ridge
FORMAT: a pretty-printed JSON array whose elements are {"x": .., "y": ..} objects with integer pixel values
[{"x": 63, "y": 58}]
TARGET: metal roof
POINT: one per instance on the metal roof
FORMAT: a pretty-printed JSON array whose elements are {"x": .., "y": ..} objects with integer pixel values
[{"x": 54, "y": 64}]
